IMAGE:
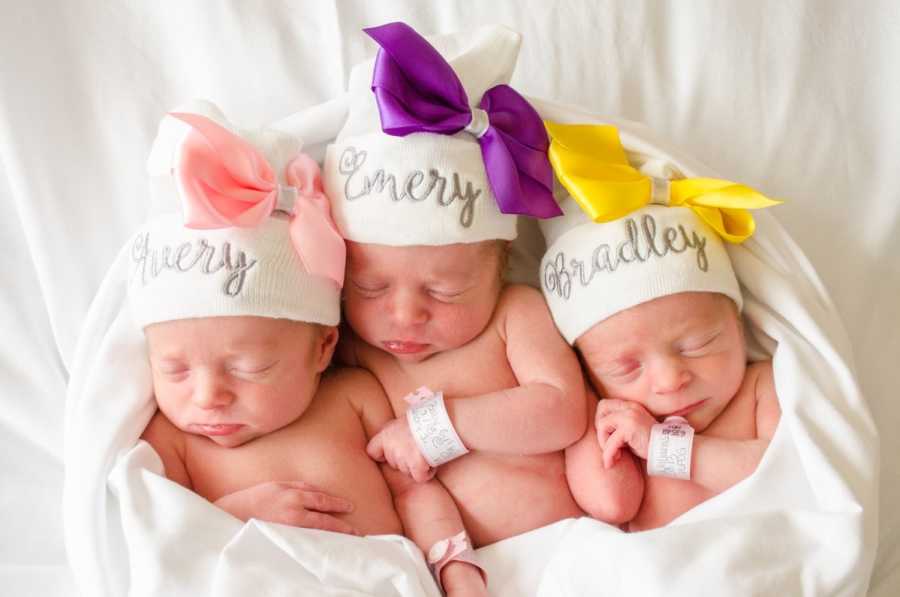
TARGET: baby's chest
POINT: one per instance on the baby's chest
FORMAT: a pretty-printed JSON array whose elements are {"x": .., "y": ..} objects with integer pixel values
[{"x": 319, "y": 452}]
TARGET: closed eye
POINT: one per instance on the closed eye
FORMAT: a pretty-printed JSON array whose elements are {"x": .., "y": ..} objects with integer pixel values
[
  {"x": 172, "y": 369},
  {"x": 621, "y": 370},
  {"x": 174, "y": 376},
  {"x": 446, "y": 294},
  {"x": 252, "y": 368},
  {"x": 699, "y": 346},
  {"x": 367, "y": 289}
]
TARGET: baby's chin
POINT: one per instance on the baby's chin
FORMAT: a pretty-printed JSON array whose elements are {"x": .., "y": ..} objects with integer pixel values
[
  {"x": 704, "y": 417},
  {"x": 415, "y": 357},
  {"x": 233, "y": 440}
]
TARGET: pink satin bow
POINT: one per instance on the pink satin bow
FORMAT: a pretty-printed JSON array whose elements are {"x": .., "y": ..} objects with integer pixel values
[{"x": 225, "y": 181}]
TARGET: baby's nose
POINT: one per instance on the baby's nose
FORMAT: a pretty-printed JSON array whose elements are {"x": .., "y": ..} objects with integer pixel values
[
  {"x": 211, "y": 392},
  {"x": 408, "y": 309},
  {"x": 670, "y": 375}
]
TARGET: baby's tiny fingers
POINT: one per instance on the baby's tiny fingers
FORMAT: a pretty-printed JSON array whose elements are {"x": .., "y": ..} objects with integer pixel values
[
  {"x": 602, "y": 435},
  {"x": 375, "y": 448},
  {"x": 612, "y": 448},
  {"x": 422, "y": 474},
  {"x": 606, "y": 426},
  {"x": 322, "y": 502},
  {"x": 608, "y": 406}
]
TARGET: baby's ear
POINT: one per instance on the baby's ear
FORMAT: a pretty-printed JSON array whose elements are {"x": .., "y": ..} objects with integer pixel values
[{"x": 328, "y": 338}]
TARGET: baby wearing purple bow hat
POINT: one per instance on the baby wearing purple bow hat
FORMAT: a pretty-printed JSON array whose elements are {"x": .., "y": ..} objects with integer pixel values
[{"x": 427, "y": 189}]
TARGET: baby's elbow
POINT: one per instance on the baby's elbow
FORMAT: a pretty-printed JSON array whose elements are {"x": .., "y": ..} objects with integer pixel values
[
  {"x": 614, "y": 510},
  {"x": 572, "y": 409},
  {"x": 613, "y": 497}
]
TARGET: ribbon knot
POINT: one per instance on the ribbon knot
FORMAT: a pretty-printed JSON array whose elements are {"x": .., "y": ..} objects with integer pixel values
[
  {"x": 224, "y": 181},
  {"x": 418, "y": 91},
  {"x": 479, "y": 124},
  {"x": 287, "y": 197},
  {"x": 661, "y": 192},
  {"x": 591, "y": 164}
]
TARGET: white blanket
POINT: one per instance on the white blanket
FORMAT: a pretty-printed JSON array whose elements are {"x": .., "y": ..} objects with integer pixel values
[{"x": 803, "y": 524}]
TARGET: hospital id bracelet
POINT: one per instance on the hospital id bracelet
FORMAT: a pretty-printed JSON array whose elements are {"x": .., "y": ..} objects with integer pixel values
[
  {"x": 669, "y": 452},
  {"x": 431, "y": 427},
  {"x": 458, "y": 548}
]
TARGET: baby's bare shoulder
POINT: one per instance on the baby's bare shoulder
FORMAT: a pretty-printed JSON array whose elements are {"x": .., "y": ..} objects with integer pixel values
[
  {"x": 768, "y": 409},
  {"x": 760, "y": 371},
  {"x": 161, "y": 433},
  {"x": 341, "y": 379},
  {"x": 519, "y": 296},
  {"x": 521, "y": 302},
  {"x": 354, "y": 384},
  {"x": 169, "y": 443},
  {"x": 364, "y": 393}
]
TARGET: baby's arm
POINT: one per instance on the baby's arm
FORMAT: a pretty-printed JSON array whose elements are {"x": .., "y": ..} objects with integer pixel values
[
  {"x": 289, "y": 502},
  {"x": 612, "y": 495},
  {"x": 427, "y": 511},
  {"x": 168, "y": 441},
  {"x": 429, "y": 515},
  {"x": 719, "y": 463},
  {"x": 547, "y": 411}
]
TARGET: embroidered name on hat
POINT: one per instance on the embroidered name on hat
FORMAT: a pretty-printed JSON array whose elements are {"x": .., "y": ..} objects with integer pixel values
[
  {"x": 189, "y": 256},
  {"x": 642, "y": 243},
  {"x": 417, "y": 186}
]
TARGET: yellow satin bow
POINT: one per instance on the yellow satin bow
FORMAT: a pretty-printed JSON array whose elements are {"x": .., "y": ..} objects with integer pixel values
[{"x": 591, "y": 164}]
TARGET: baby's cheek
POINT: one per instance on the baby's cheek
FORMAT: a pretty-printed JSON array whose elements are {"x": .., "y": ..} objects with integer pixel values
[
  {"x": 460, "y": 323},
  {"x": 361, "y": 314},
  {"x": 723, "y": 376}
]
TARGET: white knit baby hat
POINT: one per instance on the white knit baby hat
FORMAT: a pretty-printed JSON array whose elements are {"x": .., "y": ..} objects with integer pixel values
[
  {"x": 417, "y": 164},
  {"x": 634, "y": 229},
  {"x": 254, "y": 236}
]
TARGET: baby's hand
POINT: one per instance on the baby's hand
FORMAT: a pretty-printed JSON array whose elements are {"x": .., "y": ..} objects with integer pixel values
[
  {"x": 620, "y": 423},
  {"x": 395, "y": 445},
  {"x": 289, "y": 502}
]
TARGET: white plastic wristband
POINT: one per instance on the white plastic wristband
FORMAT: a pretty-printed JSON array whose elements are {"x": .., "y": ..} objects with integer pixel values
[
  {"x": 431, "y": 427},
  {"x": 669, "y": 452}
]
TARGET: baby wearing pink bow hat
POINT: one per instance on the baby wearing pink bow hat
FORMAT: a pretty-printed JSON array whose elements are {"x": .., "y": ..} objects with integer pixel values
[{"x": 239, "y": 298}]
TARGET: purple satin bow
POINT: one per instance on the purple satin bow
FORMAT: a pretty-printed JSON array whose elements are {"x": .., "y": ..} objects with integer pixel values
[{"x": 417, "y": 91}]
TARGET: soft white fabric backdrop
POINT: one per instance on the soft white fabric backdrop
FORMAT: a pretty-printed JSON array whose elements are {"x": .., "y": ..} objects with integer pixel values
[{"x": 797, "y": 98}]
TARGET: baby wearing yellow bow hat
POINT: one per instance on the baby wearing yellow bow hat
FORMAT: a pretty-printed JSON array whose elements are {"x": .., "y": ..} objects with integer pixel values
[{"x": 638, "y": 279}]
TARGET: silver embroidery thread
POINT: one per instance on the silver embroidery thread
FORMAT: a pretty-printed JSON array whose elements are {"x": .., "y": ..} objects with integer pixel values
[
  {"x": 642, "y": 244},
  {"x": 357, "y": 187},
  {"x": 186, "y": 256}
]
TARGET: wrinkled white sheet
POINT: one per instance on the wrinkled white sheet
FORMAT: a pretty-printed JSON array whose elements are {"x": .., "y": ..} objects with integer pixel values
[
  {"x": 178, "y": 544},
  {"x": 797, "y": 98}
]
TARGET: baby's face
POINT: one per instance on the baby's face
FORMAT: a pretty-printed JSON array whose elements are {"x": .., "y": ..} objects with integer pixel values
[
  {"x": 233, "y": 379},
  {"x": 681, "y": 354},
  {"x": 413, "y": 302}
]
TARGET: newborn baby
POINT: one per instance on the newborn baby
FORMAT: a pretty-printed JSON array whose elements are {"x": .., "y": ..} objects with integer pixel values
[
  {"x": 681, "y": 355},
  {"x": 486, "y": 393},
  {"x": 239, "y": 300},
  {"x": 649, "y": 299},
  {"x": 248, "y": 420}
]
